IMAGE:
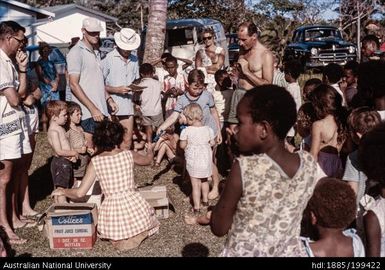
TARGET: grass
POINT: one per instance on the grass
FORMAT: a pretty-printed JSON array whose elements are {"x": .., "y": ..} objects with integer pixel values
[{"x": 175, "y": 238}]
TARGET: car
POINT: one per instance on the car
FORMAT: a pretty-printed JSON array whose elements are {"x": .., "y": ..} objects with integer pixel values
[
  {"x": 233, "y": 47},
  {"x": 318, "y": 45},
  {"x": 183, "y": 37}
]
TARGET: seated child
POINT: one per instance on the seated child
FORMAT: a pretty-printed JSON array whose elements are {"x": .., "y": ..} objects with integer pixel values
[
  {"x": 139, "y": 138},
  {"x": 61, "y": 166},
  {"x": 332, "y": 209},
  {"x": 167, "y": 144}
]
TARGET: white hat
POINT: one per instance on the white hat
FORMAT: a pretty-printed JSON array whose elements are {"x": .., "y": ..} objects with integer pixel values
[
  {"x": 92, "y": 25},
  {"x": 127, "y": 39}
]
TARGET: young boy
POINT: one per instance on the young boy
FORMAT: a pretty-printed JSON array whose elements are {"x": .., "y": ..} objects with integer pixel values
[
  {"x": 61, "y": 166},
  {"x": 151, "y": 105}
]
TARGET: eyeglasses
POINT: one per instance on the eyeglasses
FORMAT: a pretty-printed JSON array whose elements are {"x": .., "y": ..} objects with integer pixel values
[
  {"x": 207, "y": 38},
  {"x": 21, "y": 41}
]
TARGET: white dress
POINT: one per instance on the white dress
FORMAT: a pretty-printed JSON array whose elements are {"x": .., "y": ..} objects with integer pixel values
[{"x": 198, "y": 153}]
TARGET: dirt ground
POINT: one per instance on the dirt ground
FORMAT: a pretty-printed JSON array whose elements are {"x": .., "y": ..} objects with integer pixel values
[{"x": 175, "y": 238}]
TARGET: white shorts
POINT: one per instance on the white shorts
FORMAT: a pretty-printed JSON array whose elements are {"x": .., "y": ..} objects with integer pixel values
[
  {"x": 10, "y": 147},
  {"x": 25, "y": 145}
]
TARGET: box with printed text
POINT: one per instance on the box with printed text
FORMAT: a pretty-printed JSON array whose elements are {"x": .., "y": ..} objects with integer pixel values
[{"x": 70, "y": 226}]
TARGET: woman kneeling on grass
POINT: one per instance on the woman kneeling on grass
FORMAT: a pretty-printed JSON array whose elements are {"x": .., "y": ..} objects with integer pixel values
[{"x": 125, "y": 218}]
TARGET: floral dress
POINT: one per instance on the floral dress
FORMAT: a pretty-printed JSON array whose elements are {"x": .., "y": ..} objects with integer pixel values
[
  {"x": 49, "y": 72},
  {"x": 267, "y": 221}
]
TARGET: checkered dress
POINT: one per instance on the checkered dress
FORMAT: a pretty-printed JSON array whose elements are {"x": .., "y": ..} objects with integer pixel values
[{"x": 124, "y": 213}]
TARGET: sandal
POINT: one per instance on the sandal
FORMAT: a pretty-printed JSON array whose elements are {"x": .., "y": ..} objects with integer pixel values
[
  {"x": 17, "y": 241},
  {"x": 205, "y": 204}
]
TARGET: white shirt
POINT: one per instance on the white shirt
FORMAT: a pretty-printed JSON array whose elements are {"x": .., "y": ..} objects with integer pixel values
[
  {"x": 151, "y": 97},
  {"x": 337, "y": 87}
]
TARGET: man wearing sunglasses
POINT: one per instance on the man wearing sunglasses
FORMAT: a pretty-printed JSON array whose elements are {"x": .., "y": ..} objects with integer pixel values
[
  {"x": 86, "y": 79},
  {"x": 13, "y": 88}
]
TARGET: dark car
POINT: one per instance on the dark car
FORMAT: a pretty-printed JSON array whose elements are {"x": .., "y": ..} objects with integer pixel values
[
  {"x": 319, "y": 45},
  {"x": 233, "y": 47}
]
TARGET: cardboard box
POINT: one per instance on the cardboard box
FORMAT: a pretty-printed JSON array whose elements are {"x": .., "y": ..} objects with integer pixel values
[
  {"x": 157, "y": 197},
  {"x": 70, "y": 226}
]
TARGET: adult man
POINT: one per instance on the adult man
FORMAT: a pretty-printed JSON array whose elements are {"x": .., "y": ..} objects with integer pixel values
[
  {"x": 86, "y": 78},
  {"x": 12, "y": 90},
  {"x": 120, "y": 69},
  {"x": 255, "y": 65},
  {"x": 370, "y": 46}
]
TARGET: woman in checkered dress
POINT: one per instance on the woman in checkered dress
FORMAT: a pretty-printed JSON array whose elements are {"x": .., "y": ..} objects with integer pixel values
[{"x": 125, "y": 217}]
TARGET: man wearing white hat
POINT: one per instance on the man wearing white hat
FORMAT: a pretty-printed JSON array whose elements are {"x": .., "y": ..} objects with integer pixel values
[
  {"x": 120, "y": 69},
  {"x": 86, "y": 78}
]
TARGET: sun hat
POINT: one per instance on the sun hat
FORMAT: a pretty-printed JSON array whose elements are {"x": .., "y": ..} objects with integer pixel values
[
  {"x": 92, "y": 25},
  {"x": 127, "y": 39}
]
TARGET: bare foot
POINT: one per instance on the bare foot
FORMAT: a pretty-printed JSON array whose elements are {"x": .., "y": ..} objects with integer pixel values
[
  {"x": 213, "y": 194},
  {"x": 190, "y": 220}
]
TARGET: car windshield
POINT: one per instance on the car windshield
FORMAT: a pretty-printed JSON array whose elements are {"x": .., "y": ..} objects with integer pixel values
[
  {"x": 181, "y": 36},
  {"x": 321, "y": 34}
]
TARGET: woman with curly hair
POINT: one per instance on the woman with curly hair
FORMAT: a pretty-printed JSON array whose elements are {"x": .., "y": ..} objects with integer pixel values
[
  {"x": 328, "y": 132},
  {"x": 125, "y": 218},
  {"x": 331, "y": 210}
]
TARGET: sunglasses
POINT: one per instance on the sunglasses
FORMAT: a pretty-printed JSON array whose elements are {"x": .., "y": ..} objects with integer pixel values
[{"x": 207, "y": 38}]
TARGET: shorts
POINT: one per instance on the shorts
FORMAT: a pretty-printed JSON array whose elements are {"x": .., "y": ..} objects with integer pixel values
[
  {"x": 10, "y": 147},
  {"x": 89, "y": 125},
  {"x": 154, "y": 120},
  {"x": 61, "y": 171},
  {"x": 25, "y": 145}
]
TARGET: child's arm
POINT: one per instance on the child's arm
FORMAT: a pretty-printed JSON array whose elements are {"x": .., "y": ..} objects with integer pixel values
[
  {"x": 183, "y": 144},
  {"x": 315, "y": 139},
  {"x": 373, "y": 235},
  {"x": 55, "y": 143},
  {"x": 144, "y": 160},
  {"x": 169, "y": 121},
  {"x": 81, "y": 191},
  {"x": 183, "y": 139},
  {"x": 222, "y": 215},
  {"x": 214, "y": 113}
]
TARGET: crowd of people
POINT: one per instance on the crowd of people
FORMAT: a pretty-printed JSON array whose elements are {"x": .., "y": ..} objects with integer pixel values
[{"x": 304, "y": 166}]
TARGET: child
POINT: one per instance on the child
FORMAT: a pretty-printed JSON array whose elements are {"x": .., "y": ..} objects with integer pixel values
[
  {"x": 292, "y": 71},
  {"x": 139, "y": 138},
  {"x": 151, "y": 105},
  {"x": 197, "y": 141},
  {"x": 360, "y": 121},
  {"x": 125, "y": 217},
  {"x": 306, "y": 114},
  {"x": 254, "y": 207},
  {"x": 349, "y": 81},
  {"x": 77, "y": 139},
  {"x": 371, "y": 154},
  {"x": 167, "y": 144},
  {"x": 195, "y": 94},
  {"x": 332, "y": 209},
  {"x": 328, "y": 132},
  {"x": 332, "y": 75},
  {"x": 61, "y": 166}
]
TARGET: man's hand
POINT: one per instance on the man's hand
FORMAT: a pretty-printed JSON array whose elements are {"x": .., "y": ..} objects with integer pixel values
[
  {"x": 124, "y": 89},
  {"x": 22, "y": 60},
  {"x": 218, "y": 138},
  {"x": 113, "y": 106},
  {"x": 96, "y": 114}
]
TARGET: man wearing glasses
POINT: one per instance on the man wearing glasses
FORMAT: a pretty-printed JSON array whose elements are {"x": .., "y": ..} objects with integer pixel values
[
  {"x": 86, "y": 78},
  {"x": 13, "y": 88}
]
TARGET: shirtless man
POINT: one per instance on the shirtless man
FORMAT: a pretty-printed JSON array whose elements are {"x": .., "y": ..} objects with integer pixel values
[
  {"x": 255, "y": 60},
  {"x": 255, "y": 66},
  {"x": 61, "y": 167}
]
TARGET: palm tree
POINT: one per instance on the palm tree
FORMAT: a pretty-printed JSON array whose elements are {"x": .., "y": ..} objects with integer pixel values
[{"x": 156, "y": 30}]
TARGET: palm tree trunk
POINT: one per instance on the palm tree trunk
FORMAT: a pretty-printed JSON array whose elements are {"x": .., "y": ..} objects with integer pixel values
[{"x": 156, "y": 30}]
